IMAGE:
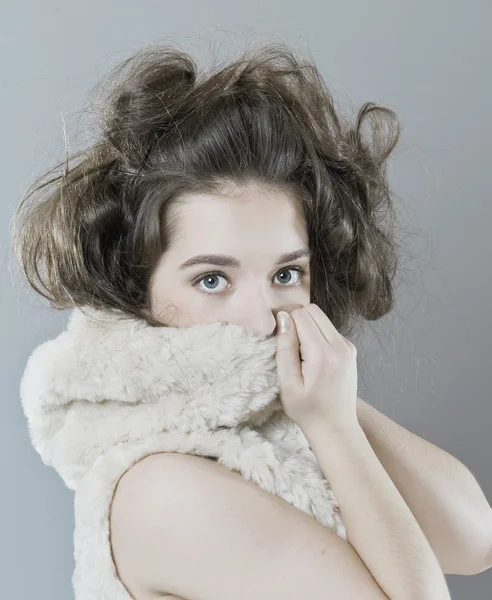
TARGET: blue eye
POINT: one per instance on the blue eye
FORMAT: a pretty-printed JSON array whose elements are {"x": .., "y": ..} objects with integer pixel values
[{"x": 300, "y": 270}]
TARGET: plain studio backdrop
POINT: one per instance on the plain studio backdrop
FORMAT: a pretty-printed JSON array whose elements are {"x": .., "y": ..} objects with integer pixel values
[{"x": 427, "y": 365}]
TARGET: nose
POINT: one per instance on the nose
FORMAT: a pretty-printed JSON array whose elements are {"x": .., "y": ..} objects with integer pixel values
[{"x": 267, "y": 329}]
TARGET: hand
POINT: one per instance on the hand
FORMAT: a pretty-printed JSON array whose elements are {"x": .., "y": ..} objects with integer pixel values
[{"x": 317, "y": 369}]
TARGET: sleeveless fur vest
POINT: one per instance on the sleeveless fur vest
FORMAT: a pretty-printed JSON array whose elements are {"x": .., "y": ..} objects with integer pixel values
[{"x": 107, "y": 391}]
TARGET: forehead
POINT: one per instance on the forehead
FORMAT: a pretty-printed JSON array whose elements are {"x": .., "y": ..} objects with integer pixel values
[{"x": 272, "y": 219}]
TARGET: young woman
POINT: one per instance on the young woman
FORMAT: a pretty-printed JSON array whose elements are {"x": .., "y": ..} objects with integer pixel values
[{"x": 228, "y": 198}]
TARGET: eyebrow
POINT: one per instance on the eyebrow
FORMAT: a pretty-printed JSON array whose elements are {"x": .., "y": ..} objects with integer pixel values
[{"x": 221, "y": 260}]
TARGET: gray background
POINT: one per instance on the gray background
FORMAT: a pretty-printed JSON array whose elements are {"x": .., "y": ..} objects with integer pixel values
[{"x": 427, "y": 365}]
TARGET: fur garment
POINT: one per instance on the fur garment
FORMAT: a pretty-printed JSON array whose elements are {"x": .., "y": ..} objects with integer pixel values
[{"x": 108, "y": 391}]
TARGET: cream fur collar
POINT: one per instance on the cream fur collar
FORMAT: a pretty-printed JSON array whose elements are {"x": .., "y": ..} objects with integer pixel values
[{"x": 105, "y": 381}]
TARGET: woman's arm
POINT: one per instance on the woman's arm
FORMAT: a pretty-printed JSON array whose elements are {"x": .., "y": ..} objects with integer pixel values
[
  {"x": 442, "y": 493},
  {"x": 380, "y": 526}
]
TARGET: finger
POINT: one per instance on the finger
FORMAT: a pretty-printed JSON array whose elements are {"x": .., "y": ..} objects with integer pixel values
[
  {"x": 326, "y": 327},
  {"x": 288, "y": 359},
  {"x": 312, "y": 343}
]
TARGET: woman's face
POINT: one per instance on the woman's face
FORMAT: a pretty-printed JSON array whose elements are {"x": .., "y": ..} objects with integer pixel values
[{"x": 256, "y": 229}]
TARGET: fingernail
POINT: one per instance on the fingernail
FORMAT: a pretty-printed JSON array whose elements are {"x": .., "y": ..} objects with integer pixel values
[{"x": 284, "y": 321}]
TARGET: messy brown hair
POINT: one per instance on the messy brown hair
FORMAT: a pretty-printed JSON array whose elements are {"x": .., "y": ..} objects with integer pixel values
[{"x": 92, "y": 234}]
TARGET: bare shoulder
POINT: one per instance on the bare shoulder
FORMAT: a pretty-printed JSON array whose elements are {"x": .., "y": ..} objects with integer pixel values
[
  {"x": 189, "y": 527},
  {"x": 147, "y": 481}
]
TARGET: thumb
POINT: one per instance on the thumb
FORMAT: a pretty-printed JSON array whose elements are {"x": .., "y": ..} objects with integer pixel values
[{"x": 287, "y": 354}]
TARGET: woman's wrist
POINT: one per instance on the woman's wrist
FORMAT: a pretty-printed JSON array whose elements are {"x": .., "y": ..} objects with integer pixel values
[{"x": 327, "y": 432}]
